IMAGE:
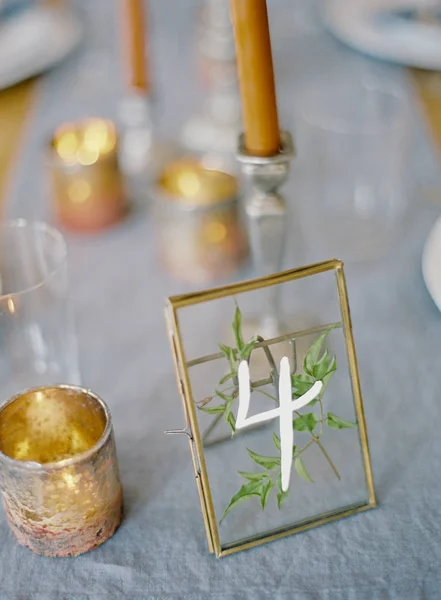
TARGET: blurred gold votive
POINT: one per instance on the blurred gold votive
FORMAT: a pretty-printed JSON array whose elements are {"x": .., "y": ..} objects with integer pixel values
[
  {"x": 87, "y": 185},
  {"x": 201, "y": 235},
  {"x": 58, "y": 470}
]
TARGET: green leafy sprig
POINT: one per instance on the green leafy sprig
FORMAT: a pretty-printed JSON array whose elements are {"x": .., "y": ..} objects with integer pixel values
[
  {"x": 234, "y": 355},
  {"x": 318, "y": 365}
]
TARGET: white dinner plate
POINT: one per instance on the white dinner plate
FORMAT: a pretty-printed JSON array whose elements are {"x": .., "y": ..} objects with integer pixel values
[
  {"x": 35, "y": 39},
  {"x": 431, "y": 263},
  {"x": 380, "y": 29}
]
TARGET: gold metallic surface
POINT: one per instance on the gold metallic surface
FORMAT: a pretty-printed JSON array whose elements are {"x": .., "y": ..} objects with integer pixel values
[
  {"x": 428, "y": 88},
  {"x": 59, "y": 474},
  {"x": 189, "y": 182},
  {"x": 88, "y": 190},
  {"x": 355, "y": 380},
  {"x": 50, "y": 425},
  {"x": 15, "y": 104},
  {"x": 201, "y": 234},
  {"x": 196, "y": 443}
]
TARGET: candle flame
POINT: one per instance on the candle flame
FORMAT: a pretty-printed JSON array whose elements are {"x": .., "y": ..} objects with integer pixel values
[
  {"x": 86, "y": 156},
  {"x": 189, "y": 183},
  {"x": 67, "y": 145},
  {"x": 11, "y": 306},
  {"x": 85, "y": 141}
]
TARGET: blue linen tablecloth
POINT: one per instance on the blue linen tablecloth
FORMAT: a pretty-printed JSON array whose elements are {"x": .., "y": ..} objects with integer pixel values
[{"x": 160, "y": 551}]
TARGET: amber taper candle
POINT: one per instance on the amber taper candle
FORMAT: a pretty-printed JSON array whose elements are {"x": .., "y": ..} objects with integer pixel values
[
  {"x": 134, "y": 20},
  {"x": 256, "y": 76}
]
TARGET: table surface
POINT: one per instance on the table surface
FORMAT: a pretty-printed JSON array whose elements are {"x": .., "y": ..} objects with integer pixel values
[{"x": 118, "y": 288}]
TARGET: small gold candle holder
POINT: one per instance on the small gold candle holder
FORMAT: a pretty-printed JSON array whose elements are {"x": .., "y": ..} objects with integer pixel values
[
  {"x": 201, "y": 234},
  {"x": 87, "y": 185},
  {"x": 58, "y": 470}
]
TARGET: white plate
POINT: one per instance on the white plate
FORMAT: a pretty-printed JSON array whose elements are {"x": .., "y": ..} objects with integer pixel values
[
  {"x": 431, "y": 263},
  {"x": 373, "y": 27},
  {"x": 34, "y": 40}
]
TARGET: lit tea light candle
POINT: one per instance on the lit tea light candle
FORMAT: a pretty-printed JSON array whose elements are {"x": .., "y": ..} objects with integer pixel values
[
  {"x": 201, "y": 234},
  {"x": 59, "y": 475},
  {"x": 88, "y": 191}
]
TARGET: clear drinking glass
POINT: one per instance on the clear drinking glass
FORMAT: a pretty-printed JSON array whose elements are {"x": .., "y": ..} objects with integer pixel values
[
  {"x": 352, "y": 159},
  {"x": 37, "y": 339}
]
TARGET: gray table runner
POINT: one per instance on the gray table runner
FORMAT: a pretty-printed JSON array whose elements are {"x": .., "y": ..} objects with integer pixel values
[{"x": 119, "y": 290}]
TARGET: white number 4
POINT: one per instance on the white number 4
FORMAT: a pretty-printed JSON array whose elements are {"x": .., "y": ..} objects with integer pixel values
[{"x": 284, "y": 411}]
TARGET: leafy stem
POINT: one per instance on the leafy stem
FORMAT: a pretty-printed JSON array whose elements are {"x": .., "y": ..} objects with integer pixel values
[
  {"x": 316, "y": 439},
  {"x": 272, "y": 363},
  {"x": 328, "y": 458},
  {"x": 318, "y": 366}
]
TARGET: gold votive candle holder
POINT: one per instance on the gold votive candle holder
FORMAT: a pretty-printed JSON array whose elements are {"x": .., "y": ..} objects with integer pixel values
[
  {"x": 59, "y": 476},
  {"x": 201, "y": 234},
  {"x": 87, "y": 185}
]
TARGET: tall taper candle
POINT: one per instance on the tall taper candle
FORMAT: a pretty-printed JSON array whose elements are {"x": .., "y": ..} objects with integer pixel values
[
  {"x": 256, "y": 77},
  {"x": 134, "y": 39}
]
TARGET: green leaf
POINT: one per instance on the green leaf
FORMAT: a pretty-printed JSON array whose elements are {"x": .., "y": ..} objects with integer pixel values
[
  {"x": 332, "y": 366},
  {"x": 301, "y": 384},
  {"x": 226, "y": 378},
  {"x": 229, "y": 418},
  {"x": 338, "y": 423},
  {"x": 230, "y": 355},
  {"x": 247, "y": 491},
  {"x": 226, "y": 350},
  {"x": 228, "y": 407},
  {"x": 225, "y": 397},
  {"x": 312, "y": 355},
  {"x": 281, "y": 495},
  {"x": 321, "y": 367},
  {"x": 237, "y": 329},
  {"x": 268, "y": 462},
  {"x": 326, "y": 379},
  {"x": 276, "y": 441},
  {"x": 254, "y": 476},
  {"x": 264, "y": 494},
  {"x": 301, "y": 469},
  {"x": 248, "y": 348},
  {"x": 213, "y": 410},
  {"x": 306, "y": 422}
]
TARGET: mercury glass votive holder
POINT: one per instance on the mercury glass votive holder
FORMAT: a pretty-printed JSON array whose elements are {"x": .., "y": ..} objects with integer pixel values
[
  {"x": 88, "y": 191},
  {"x": 201, "y": 234},
  {"x": 59, "y": 476}
]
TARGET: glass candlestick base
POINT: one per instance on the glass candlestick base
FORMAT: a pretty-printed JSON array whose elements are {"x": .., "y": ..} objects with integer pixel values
[
  {"x": 141, "y": 153},
  {"x": 213, "y": 131}
]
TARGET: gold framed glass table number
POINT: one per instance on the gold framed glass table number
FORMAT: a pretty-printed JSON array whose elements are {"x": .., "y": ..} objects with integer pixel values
[{"x": 275, "y": 422}]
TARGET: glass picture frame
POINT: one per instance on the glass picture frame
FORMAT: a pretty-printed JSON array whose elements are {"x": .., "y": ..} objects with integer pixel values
[{"x": 249, "y": 398}]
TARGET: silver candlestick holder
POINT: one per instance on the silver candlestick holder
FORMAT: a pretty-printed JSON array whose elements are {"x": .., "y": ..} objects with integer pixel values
[{"x": 266, "y": 212}]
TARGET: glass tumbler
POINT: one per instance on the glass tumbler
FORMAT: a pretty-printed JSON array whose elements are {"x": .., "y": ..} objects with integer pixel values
[
  {"x": 201, "y": 236},
  {"x": 37, "y": 338},
  {"x": 352, "y": 166}
]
